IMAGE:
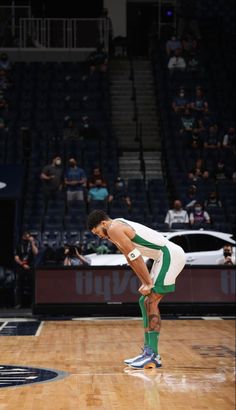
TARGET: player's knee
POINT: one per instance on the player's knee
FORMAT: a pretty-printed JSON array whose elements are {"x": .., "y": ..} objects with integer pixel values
[{"x": 154, "y": 297}]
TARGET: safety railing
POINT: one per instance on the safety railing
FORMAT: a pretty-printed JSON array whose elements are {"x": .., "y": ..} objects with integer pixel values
[{"x": 63, "y": 33}]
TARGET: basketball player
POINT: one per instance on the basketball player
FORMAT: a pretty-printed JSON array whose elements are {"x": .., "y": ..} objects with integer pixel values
[{"x": 134, "y": 241}]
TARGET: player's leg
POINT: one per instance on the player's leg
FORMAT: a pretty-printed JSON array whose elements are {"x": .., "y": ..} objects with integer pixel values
[
  {"x": 146, "y": 337},
  {"x": 152, "y": 323},
  {"x": 143, "y": 309},
  {"x": 154, "y": 320},
  {"x": 150, "y": 358}
]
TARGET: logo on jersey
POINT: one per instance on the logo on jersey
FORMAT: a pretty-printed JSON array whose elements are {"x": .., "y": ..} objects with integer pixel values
[{"x": 20, "y": 375}]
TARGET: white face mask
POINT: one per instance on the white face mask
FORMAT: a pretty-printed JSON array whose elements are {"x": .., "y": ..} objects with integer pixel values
[{"x": 58, "y": 162}]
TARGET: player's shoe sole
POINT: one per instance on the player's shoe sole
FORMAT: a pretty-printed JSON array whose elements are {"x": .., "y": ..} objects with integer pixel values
[
  {"x": 146, "y": 350},
  {"x": 148, "y": 362}
]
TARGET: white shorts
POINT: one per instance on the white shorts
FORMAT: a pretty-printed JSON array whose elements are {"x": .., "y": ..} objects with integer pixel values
[{"x": 166, "y": 269}]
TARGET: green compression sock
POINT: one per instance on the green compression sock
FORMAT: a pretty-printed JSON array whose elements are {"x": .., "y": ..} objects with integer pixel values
[
  {"x": 146, "y": 339},
  {"x": 153, "y": 340},
  {"x": 143, "y": 311}
]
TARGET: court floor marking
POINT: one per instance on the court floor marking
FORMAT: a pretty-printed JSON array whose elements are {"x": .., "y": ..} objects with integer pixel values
[
  {"x": 39, "y": 329},
  {"x": 3, "y": 325},
  {"x": 15, "y": 319}
]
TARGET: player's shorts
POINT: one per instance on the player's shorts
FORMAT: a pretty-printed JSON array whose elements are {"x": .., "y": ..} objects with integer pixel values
[{"x": 166, "y": 269}]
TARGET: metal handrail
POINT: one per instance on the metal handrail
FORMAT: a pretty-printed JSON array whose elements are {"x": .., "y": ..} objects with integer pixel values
[{"x": 64, "y": 33}]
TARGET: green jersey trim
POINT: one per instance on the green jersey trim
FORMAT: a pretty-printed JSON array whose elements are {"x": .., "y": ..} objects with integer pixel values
[
  {"x": 159, "y": 286},
  {"x": 143, "y": 242}
]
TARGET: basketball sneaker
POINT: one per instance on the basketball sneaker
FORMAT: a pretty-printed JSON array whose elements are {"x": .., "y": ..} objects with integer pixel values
[
  {"x": 150, "y": 360},
  {"x": 133, "y": 359}
]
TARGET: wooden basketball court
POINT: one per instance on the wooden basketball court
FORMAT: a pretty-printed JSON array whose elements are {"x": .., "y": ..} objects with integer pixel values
[{"x": 197, "y": 373}]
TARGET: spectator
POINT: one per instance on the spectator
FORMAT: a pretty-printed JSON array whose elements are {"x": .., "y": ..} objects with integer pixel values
[
  {"x": 177, "y": 214},
  {"x": 2, "y": 123},
  {"x": 189, "y": 44},
  {"x": 172, "y": 44},
  {"x": 70, "y": 132},
  {"x": 199, "y": 103},
  {"x": 187, "y": 124},
  {"x": 198, "y": 217},
  {"x": 176, "y": 62},
  {"x": 51, "y": 177},
  {"x": 3, "y": 105},
  {"x": 87, "y": 129},
  {"x": 73, "y": 256},
  {"x": 229, "y": 146},
  {"x": 208, "y": 119},
  {"x": 193, "y": 63},
  {"x": 199, "y": 171},
  {"x": 119, "y": 193},
  {"x": 220, "y": 171},
  {"x": 233, "y": 177},
  {"x": 75, "y": 181},
  {"x": 180, "y": 101},
  {"x": 25, "y": 253},
  {"x": 213, "y": 200},
  {"x": 212, "y": 144},
  {"x": 228, "y": 258},
  {"x": 3, "y": 80},
  {"x": 96, "y": 174},
  {"x": 229, "y": 139},
  {"x": 98, "y": 59},
  {"x": 5, "y": 63},
  {"x": 190, "y": 197},
  {"x": 195, "y": 142},
  {"x": 98, "y": 192}
]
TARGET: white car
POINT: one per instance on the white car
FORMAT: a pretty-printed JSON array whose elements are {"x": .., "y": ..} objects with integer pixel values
[{"x": 201, "y": 248}]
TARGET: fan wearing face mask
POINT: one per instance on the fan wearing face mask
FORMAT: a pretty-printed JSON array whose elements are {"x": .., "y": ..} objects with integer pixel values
[
  {"x": 199, "y": 217},
  {"x": 75, "y": 181},
  {"x": 228, "y": 257}
]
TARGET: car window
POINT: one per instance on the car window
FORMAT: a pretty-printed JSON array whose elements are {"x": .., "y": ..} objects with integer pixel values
[
  {"x": 199, "y": 243},
  {"x": 181, "y": 240}
]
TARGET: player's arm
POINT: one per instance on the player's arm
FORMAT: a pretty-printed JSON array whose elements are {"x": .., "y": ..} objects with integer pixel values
[{"x": 118, "y": 235}]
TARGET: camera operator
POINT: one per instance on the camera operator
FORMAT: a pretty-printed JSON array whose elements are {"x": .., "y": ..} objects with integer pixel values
[
  {"x": 25, "y": 253},
  {"x": 74, "y": 257},
  {"x": 228, "y": 257}
]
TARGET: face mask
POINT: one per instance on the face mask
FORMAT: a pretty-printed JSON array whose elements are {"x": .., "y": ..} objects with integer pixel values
[
  {"x": 198, "y": 209},
  {"x": 58, "y": 162},
  {"x": 181, "y": 94},
  {"x": 72, "y": 164},
  {"x": 227, "y": 253},
  {"x": 98, "y": 185}
]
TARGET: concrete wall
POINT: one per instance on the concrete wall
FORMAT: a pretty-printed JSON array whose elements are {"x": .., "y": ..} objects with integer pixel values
[
  {"x": 49, "y": 54},
  {"x": 117, "y": 13}
]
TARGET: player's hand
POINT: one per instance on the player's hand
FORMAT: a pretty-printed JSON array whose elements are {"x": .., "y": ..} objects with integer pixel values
[{"x": 145, "y": 289}]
